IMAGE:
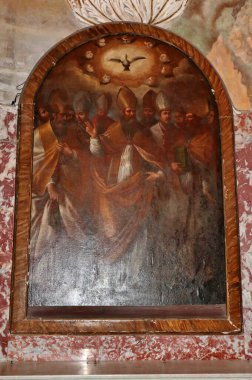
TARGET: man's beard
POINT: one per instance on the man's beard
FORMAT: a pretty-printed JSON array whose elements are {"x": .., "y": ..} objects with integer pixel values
[
  {"x": 191, "y": 125},
  {"x": 148, "y": 122},
  {"x": 129, "y": 127},
  {"x": 59, "y": 128}
]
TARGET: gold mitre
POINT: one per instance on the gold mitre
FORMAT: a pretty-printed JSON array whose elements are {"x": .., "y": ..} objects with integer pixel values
[
  {"x": 162, "y": 102},
  {"x": 126, "y": 98}
]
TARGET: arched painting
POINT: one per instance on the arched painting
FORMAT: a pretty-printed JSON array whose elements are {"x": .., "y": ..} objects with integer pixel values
[{"x": 130, "y": 147}]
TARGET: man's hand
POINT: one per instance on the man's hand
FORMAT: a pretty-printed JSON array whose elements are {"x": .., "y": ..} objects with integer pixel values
[
  {"x": 207, "y": 193},
  {"x": 153, "y": 176},
  {"x": 53, "y": 192},
  {"x": 65, "y": 150},
  {"x": 176, "y": 167},
  {"x": 91, "y": 129}
]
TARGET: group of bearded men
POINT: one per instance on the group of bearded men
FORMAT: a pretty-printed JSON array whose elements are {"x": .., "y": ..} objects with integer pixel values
[{"x": 138, "y": 191}]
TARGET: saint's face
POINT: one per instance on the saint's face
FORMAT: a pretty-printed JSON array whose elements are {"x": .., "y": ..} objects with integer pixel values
[
  {"x": 179, "y": 118},
  {"x": 130, "y": 113},
  {"x": 101, "y": 113},
  {"x": 60, "y": 118},
  {"x": 81, "y": 116},
  {"x": 148, "y": 113},
  {"x": 165, "y": 117},
  {"x": 193, "y": 123},
  {"x": 70, "y": 115},
  {"x": 191, "y": 119}
]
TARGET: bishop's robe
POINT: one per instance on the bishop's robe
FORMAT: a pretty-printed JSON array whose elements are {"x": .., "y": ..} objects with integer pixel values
[
  {"x": 71, "y": 177},
  {"x": 182, "y": 216},
  {"x": 124, "y": 196}
]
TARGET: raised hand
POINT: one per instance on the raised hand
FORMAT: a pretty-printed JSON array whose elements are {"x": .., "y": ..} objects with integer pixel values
[
  {"x": 154, "y": 176},
  {"x": 91, "y": 129},
  {"x": 177, "y": 167}
]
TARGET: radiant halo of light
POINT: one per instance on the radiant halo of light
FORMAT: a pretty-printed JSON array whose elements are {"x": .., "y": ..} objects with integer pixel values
[{"x": 140, "y": 67}]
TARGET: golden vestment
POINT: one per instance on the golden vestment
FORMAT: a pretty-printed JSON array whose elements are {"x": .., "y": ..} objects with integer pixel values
[
  {"x": 72, "y": 180},
  {"x": 123, "y": 206}
]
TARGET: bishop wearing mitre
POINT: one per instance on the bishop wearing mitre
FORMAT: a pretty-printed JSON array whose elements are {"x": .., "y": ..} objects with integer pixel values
[
  {"x": 60, "y": 176},
  {"x": 125, "y": 188}
]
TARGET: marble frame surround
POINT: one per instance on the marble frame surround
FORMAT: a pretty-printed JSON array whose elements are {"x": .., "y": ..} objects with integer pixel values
[{"x": 21, "y": 323}]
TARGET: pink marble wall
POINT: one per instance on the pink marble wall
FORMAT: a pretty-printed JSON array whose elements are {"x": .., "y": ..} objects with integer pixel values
[{"x": 102, "y": 348}]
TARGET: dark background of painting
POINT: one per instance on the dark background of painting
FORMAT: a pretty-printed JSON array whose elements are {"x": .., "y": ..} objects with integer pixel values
[{"x": 70, "y": 273}]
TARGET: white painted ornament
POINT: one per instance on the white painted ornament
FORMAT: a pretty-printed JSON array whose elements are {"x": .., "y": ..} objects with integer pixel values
[
  {"x": 89, "y": 68},
  {"x": 105, "y": 79},
  {"x": 153, "y": 12},
  {"x": 89, "y": 54}
]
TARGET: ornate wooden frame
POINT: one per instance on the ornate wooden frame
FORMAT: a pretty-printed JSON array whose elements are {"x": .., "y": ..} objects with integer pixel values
[{"x": 224, "y": 319}]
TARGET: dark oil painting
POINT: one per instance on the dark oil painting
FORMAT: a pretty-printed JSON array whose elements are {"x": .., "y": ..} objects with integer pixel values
[{"x": 127, "y": 203}]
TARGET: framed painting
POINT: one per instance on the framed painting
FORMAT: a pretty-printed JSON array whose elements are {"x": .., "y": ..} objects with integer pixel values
[{"x": 126, "y": 215}]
